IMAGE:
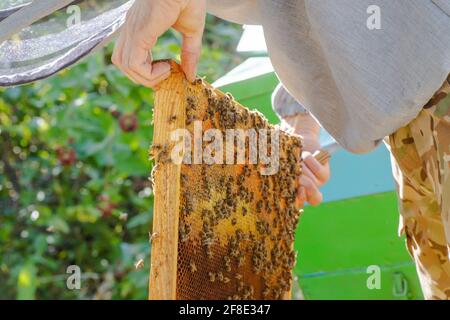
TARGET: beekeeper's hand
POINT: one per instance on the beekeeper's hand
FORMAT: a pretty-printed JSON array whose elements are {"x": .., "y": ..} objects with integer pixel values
[
  {"x": 145, "y": 22},
  {"x": 314, "y": 174}
]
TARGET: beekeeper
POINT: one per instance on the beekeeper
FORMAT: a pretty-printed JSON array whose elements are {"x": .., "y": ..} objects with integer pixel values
[{"x": 366, "y": 71}]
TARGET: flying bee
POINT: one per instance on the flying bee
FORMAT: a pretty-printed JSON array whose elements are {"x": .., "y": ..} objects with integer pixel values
[
  {"x": 152, "y": 236},
  {"x": 139, "y": 264}
]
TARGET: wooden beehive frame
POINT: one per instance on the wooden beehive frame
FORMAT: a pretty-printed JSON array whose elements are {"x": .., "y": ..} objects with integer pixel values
[{"x": 174, "y": 104}]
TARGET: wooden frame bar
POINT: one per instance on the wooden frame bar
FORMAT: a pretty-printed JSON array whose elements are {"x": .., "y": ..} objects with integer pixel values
[{"x": 169, "y": 115}]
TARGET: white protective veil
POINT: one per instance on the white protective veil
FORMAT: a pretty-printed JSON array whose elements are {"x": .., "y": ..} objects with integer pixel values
[{"x": 40, "y": 37}]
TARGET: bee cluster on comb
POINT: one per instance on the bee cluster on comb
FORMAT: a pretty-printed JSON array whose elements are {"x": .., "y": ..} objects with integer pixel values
[{"x": 235, "y": 223}]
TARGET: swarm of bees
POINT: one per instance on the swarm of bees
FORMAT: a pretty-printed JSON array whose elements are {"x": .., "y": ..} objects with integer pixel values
[{"x": 236, "y": 226}]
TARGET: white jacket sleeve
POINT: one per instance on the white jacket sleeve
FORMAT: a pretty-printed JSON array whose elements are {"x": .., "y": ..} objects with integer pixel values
[{"x": 238, "y": 11}]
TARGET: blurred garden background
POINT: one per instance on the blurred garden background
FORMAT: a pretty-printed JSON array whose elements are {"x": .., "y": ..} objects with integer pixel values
[{"x": 74, "y": 170}]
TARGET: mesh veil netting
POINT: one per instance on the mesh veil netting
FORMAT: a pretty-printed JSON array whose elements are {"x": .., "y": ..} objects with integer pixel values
[{"x": 52, "y": 34}]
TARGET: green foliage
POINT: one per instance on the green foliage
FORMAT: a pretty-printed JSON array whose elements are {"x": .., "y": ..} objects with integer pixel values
[{"x": 74, "y": 186}]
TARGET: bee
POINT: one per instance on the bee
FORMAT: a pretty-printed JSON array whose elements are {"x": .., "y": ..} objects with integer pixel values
[
  {"x": 266, "y": 292},
  {"x": 172, "y": 118},
  {"x": 244, "y": 211},
  {"x": 267, "y": 206},
  {"x": 259, "y": 205},
  {"x": 154, "y": 149},
  {"x": 277, "y": 292},
  {"x": 240, "y": 286},
  {"x": 233, "y": 221},
  {"x": 208, "y": 92},
  {"x": 163, "y": 155},
  {"x": 244, "y": 117},
  {"x": 139, "y": 264},
  {"x": 220, "y": 276},
  {"x": 262, "y": 227},
  {"x": 241, "y": 260},
  {"x": 229, "y": 96},
  {"x": 227, "y": 263},
  {"x": 277, "y": 206},
  {"x": 193, "y": 267},
  {"x": 212, "y": 276},
  {"x": 282, "y": 283},
  {"x": 152, "y": 236},
  {"x": 238, "y": 276},
  {"x": 185, "y": 230},
  {"x": 209, "y": 252},
  {"x": 206, "y": 227},
  {"x": 246, "y": 172},
  {"x": 239, "y": 235},
  {"x": 190, "y": 118},
  {"x": 226, "y": 280},
  {"x": 191, "y": 102},
  {"x": 246, "y": 295},
  {"x": 206, "y": 214},
  {"x": 249, "y": 292},
  {"x": 184, "y": 178},
  {"x": 198, "y": 81},
  {"x": 187, "y": 207}
]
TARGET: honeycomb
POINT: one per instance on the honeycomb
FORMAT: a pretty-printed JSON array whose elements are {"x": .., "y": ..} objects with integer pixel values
[{"x": 235, "y": 224}]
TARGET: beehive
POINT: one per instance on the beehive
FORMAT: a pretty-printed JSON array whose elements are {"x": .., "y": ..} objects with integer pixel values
[{"x": 220, "y": 231}]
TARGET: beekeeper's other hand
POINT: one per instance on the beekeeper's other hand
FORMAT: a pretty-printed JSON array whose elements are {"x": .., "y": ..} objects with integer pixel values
[
  {"x": 314, "y": 174},
  {"x": 145, "y": 22}
]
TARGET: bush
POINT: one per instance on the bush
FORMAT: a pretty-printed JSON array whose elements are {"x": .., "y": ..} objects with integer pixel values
[{"x": 74, "y": 170}]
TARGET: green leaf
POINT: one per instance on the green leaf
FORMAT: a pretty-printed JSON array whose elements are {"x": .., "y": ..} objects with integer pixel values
[
  {"x": 26, "y": 282},
  {"x": 138, "y": 220},
  {"x": 59, "y": 224}
]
